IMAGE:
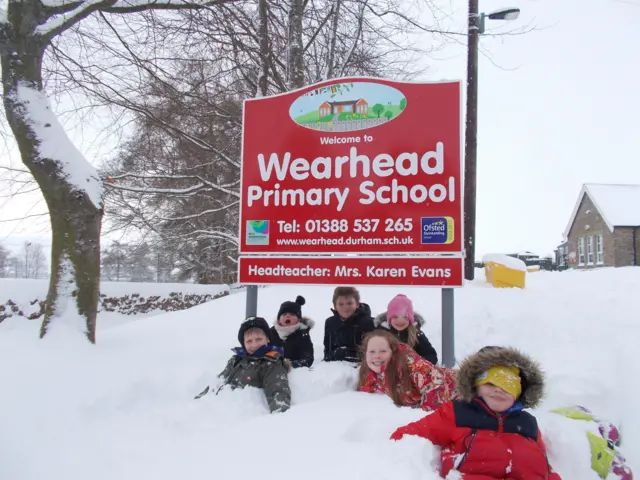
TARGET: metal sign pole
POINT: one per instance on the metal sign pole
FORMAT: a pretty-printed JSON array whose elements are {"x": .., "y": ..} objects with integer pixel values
[
  {"x": 252, "y": 301},
  {"x": 448, "y": 343}
]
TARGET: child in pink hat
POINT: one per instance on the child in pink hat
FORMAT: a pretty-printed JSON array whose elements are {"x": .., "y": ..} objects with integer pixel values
[{"x": 401, "y": 320}]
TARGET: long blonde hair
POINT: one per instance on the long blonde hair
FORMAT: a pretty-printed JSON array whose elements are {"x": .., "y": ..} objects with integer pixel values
[
  {"x": 412, "y": 335},
  {"x": 398, "y": 377}
]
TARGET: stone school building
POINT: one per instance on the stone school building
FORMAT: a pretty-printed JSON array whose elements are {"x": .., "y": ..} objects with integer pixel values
[{"x": 604, "y": 228}]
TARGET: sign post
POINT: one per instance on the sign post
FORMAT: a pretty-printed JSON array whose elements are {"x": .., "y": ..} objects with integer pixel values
[
  {"x": 448, "y": 328},
  {"x": 252, "y": 301},
  {"x": 357, "y": 181}
]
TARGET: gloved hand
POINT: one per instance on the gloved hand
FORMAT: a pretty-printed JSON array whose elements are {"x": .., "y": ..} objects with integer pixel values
[
  {"x": 410, "y": 429},
  {"x": 398, "y": 434},
  {"x": 344, "y": 354}
]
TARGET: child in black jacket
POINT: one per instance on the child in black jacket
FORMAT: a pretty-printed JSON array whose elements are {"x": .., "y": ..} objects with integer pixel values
[
  {"x": 291, "y": 332},
  {"x": 344, "y": 331},
  {"x": 405, "y": 324}
]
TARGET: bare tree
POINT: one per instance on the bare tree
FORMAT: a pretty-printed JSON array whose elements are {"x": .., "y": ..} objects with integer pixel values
[
  {"x": 38, "y": 261},
  {"x": 295, "y": 59},
  {"x": 70, "y": 185},
  {"x": 178, "y": 176},
  {"x": 4, "y": 261},
  {"x": 26, "y": 254}
]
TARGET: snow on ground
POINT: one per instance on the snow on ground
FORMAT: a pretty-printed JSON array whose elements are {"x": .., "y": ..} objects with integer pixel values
[{"x": 123, "y": 409}]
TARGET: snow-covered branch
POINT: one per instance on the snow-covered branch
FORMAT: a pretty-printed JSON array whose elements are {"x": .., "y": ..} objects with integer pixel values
[
  {"x": 203, "y": 184},
  {"x": 216, "y": 234},
  {"x": 200, "y": 214},
  {"x": 132, "y": 6},
  {"x": 63, "y": 15},
  {"x": 58, "y": 23}
]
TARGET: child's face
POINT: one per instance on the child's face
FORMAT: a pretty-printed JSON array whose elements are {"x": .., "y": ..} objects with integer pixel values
[
  {"x": 399, "y": 323},
  {"x": 378, "y": 353},
  {"x": 496, "y": 398},
  {"x": 288, "y": 319},
  {"x": 253, "y": 340},
  {"x": 346, "y": 306}
]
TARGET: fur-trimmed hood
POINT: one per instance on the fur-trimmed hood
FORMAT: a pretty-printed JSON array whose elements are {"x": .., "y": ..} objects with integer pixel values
[
  {"x": 305, "y": 323},
  {"x": 382, "y": 321},
  {"x": 478, "y": 363}
]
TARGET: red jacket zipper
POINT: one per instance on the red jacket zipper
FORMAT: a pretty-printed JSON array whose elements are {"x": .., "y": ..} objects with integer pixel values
[{"x": 500, "y": 418}]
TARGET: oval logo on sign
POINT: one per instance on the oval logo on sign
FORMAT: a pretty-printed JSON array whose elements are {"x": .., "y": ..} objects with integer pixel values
[{"x": 347, "y": 107}]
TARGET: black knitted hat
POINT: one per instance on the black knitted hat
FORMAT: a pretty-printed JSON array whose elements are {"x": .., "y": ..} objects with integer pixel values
[
  {"x": 254, "y": 322},
  {"x": 294, "y": 308}
]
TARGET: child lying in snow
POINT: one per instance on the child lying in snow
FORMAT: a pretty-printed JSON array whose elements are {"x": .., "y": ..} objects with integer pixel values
[
  {"x": 393, "y": 368},
  {"x": 258, "y": 364},
  {"x": 406, "y": 325},
  {"x": 488, "y": 435},
  {"x": 344, "y": 331},
  {"x": 291, "y": 332}
]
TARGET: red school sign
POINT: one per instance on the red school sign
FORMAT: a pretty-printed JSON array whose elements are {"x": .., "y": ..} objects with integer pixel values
[
  {"x": 355, "y": 165},
  {"x": 415, "y": 271}
]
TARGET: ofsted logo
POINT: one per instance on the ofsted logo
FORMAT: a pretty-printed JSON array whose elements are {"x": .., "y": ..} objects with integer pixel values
[{"x": 436, "y": 230}]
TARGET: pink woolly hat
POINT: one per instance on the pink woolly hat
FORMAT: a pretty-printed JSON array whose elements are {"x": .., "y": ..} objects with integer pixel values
[{"x": 400, "y": 306}]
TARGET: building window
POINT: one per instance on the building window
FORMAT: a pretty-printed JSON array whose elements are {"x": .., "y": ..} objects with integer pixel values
[
  {"x": 589, "y": 250},
  {"x": 581, "y": 251},
  {"x": 599, "y": 250}
]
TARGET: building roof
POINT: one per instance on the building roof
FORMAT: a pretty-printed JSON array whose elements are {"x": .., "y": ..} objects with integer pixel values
[
  {"x": 346, "y": 102},
  {"x": 619, "y": 205}
]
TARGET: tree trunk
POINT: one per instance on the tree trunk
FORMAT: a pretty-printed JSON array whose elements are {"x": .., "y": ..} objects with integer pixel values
[
  {"x": 263, "y": 79},
  {"x": 295, "y": 63},
  {"x": 331, "y": 54},
  {"x": 70, "y": 187}
]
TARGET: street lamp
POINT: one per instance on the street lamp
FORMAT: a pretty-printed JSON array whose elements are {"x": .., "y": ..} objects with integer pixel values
[{"x": 476, "y": 28}]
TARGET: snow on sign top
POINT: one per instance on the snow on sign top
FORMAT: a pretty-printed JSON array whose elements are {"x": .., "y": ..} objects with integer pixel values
[
  {"x": 619, "y": 205},
  {"x": 56, "y": 145}
]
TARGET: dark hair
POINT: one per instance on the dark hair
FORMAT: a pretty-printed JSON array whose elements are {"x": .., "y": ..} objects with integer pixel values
[
  {"x": 345, "y": 292},
  {"x": 398, "y": 377}
]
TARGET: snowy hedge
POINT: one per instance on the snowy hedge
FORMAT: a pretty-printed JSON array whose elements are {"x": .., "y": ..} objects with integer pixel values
[{"x": 24, "y": 298}]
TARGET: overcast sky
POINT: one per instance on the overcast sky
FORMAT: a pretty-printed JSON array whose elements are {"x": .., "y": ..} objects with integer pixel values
[{"x": 558, "y": 107}]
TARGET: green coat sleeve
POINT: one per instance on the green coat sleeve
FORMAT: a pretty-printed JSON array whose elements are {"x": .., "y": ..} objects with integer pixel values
[
  {"x": 224, "y": 374},
  {"x": 276, "y": 386}
]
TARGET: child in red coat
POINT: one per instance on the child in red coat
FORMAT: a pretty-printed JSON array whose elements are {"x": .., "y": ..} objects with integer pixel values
[
  {"x": 487, "y": 435},
  {"x": 392, "y": 368}
]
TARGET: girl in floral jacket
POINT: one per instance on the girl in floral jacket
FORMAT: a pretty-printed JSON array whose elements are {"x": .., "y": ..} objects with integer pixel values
[{"x": 394, "y": 369}]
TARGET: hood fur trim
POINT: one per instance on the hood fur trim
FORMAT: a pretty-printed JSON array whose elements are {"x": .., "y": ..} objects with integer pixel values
[
  {"x": 530, "y": 372},
  {"x": 306, "y": 323},
  {"x": 382, "y": 321}
]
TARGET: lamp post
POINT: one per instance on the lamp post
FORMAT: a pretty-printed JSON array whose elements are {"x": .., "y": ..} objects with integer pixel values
[{"x": 476, "y": 28}]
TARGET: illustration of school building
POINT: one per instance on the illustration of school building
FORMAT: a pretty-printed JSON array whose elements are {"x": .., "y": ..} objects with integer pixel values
[{"x": 349, "y": 106}]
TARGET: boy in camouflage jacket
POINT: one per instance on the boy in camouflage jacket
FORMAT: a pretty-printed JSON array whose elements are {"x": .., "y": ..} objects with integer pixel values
[{"x": 259, "y": 364}]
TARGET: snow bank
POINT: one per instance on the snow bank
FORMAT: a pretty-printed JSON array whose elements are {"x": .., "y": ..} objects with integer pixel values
[
  {"x": 506, "y": 260},
  {"x": 124, "y": 408}
]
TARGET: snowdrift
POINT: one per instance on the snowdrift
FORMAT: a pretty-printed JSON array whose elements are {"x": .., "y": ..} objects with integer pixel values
[{"x": 123, "y": 409}]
